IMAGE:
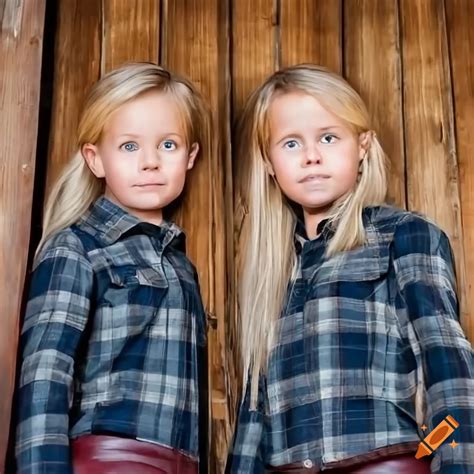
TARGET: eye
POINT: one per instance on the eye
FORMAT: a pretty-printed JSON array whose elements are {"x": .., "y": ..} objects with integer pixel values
[
  {"x": 129, "y": 146},
  {"x": 328, "y": 138},
  {"x": 291, "y": 144},
  {"x": 168, "y": 145}
]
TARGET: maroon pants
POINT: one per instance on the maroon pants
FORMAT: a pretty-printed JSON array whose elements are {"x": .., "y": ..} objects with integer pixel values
[
  {"x": 98, "y": 454},
  {"x": 399, "y": 464}
]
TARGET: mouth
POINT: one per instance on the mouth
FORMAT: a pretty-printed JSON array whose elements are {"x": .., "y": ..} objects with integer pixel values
[
  {"x": 148, "y": 185},
  {"x": 314, "y": 177}
]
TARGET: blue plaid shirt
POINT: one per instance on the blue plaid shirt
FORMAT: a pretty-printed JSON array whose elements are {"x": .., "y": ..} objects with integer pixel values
[
  {"x": 368, "y": 348},
  {"x": 111, "y": 339}
]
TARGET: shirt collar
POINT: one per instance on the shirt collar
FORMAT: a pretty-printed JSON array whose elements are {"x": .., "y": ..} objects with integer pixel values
[
  {"x": 110, "y": 222},
  {"x": 327, "y": 231},
  {"x": 301, "y": 236}
]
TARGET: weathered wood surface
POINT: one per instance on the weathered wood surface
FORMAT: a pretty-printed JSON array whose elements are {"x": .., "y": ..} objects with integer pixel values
[
  {"x": 372, "y": 64},
  {"x": 74, "y": 74},
  {"x": 311, "y": 32},
  {"x": 131, "y": 32},
  {"x": 460, "y": 18},
  {"x": 432, "y": 176},
  {"x": 21, "y": 42}
]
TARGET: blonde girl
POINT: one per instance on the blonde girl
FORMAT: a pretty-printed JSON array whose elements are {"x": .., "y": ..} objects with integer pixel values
[
  {"x": 113, "y": 343},
  {"x": 350, "y": 340}
]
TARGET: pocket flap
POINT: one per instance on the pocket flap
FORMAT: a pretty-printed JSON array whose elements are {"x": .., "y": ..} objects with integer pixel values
[
  {"x": 129, "y": 276},
  {"x": 363, "y": 264}
]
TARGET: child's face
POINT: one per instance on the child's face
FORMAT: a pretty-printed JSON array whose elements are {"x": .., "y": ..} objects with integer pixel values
[
  {"x": 143, "y": 155},
  {"x": 315, "y": 156}
]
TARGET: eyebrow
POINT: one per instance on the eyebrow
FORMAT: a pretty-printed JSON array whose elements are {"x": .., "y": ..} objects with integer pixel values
[
  {"x": 319, "y": 130},
  {"x": 133, "y": 135},
  {"x": 331, "y": 127},
  {"x": 130, "y": 135}
]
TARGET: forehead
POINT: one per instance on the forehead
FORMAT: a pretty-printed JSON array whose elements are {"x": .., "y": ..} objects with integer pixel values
[
  {"x": 150, "y": 112},
  {"x": 297, "y": 109}
]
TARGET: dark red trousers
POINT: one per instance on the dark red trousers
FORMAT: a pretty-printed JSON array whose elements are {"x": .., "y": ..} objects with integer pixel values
[{"x": 98, "y": 454}]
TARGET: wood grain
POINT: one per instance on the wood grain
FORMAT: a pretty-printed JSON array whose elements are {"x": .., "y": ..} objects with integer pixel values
[
  {"x": 311, "y": 32},
  {"x": 21, "y": 43},
  {"x": 74, "y": 74},
  {"x": 432, "y": 168},
  {"x": 372, "y": 65},
  {"x": 254, "y": 47},
  {"x": 131, "y": 32},
  {"x": 460, "y": 16}
]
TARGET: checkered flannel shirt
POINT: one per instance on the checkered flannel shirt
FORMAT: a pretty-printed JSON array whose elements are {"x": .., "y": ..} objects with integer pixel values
[
  {"x": 111, "y": 339},
  {"x": 368, "y": 339}
]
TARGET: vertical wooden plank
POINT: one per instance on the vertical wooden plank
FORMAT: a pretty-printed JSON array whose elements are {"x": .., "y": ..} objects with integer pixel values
[
  {"x": 372, "y": 65},
  {"x": 311, "y": 33},
  {"x": 254, "y": 57},
  {"x": 460, "y": 16},
  {"x": 21, "y": 43},
  {"x": 432, "y": 169},
  {"x": 254, "y": 47},
  {"x": 131, "y": 32},
  {"x": 74, "y": 74},
  {"x": 196, "y": 44}
]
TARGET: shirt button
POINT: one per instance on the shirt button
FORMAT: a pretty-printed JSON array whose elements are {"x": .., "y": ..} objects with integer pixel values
[{"x": 307, "y": 463}]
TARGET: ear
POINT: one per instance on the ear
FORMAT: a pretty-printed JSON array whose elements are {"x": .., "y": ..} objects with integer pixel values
[
  {"x": 269, "y": 168},
  {"x": 193, "y": 152},
  {"x": 91, "y": 154},
  {"x": 365, "y": 140}
]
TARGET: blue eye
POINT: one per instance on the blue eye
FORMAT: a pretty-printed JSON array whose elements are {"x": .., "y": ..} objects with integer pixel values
[
  {"x": 291, "y": 144},
  {"x": 328, "y": 138},
  {"x": 168, "y": 145},
  {"x": 129, "y": 146}
]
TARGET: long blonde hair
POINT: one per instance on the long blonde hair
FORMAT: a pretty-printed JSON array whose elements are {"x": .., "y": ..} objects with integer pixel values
[
  {"x": 77, "y": 187},
  {"x": 269, "y": 258}
]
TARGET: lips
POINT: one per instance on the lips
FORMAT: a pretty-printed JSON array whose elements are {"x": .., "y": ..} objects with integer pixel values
[
  {"x": 146, "y": 185},
  {"x": 314, "y": 177}
]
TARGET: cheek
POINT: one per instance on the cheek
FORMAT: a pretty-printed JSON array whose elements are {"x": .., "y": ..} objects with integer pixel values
[
  {"x": 116, "y": 170},
  {"x": 287, "y": 181},
  {"x": 177, "y": 171},
  {"x": 351, "y": 170},
  {"x": 346, "y": 164},
  {"x": 282, "y": 165}
]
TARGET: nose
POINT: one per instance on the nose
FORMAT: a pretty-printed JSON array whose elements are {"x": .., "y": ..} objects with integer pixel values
[
  {"x": 312, "y": 156},
  {"x": 149, "y": 160}
]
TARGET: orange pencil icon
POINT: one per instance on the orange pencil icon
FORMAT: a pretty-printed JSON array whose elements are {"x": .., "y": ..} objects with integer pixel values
[{"x": 436, "y": 437}]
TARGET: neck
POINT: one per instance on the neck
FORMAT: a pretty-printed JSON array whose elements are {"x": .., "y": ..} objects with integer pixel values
[
  {"x": 312, "y": 218},
  {"x": 155, "y": 218}
]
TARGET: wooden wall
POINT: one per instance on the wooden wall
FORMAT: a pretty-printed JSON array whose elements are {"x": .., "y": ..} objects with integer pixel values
[
  {"x": 21, "y": 42},
  {"x": 411, "y": 61}
]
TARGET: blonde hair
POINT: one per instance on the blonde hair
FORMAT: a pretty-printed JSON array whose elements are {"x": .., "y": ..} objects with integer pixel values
[
  {"x": 77, "y": 187},
  {"x": 269, "y": 258}
]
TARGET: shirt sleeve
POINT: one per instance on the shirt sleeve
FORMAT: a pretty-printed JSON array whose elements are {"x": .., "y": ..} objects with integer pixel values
[
  {"x": 56, "y": 315},
  {"x": 425, "y": 274},
  {"x": 247, "y": 451}
]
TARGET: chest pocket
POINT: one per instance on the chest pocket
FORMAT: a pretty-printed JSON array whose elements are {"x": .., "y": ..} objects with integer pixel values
[
  {"x": 130, "y": 285},
  {"x": 356, "y": 274}
]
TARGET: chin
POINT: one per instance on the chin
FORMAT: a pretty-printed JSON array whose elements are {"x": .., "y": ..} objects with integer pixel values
[
  {"x": 317, "y": 206},
  {"x": 148, "y": 205}
]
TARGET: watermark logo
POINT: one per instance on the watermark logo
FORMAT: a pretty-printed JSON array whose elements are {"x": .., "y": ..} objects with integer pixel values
[{"x": 436, "y": 437}]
